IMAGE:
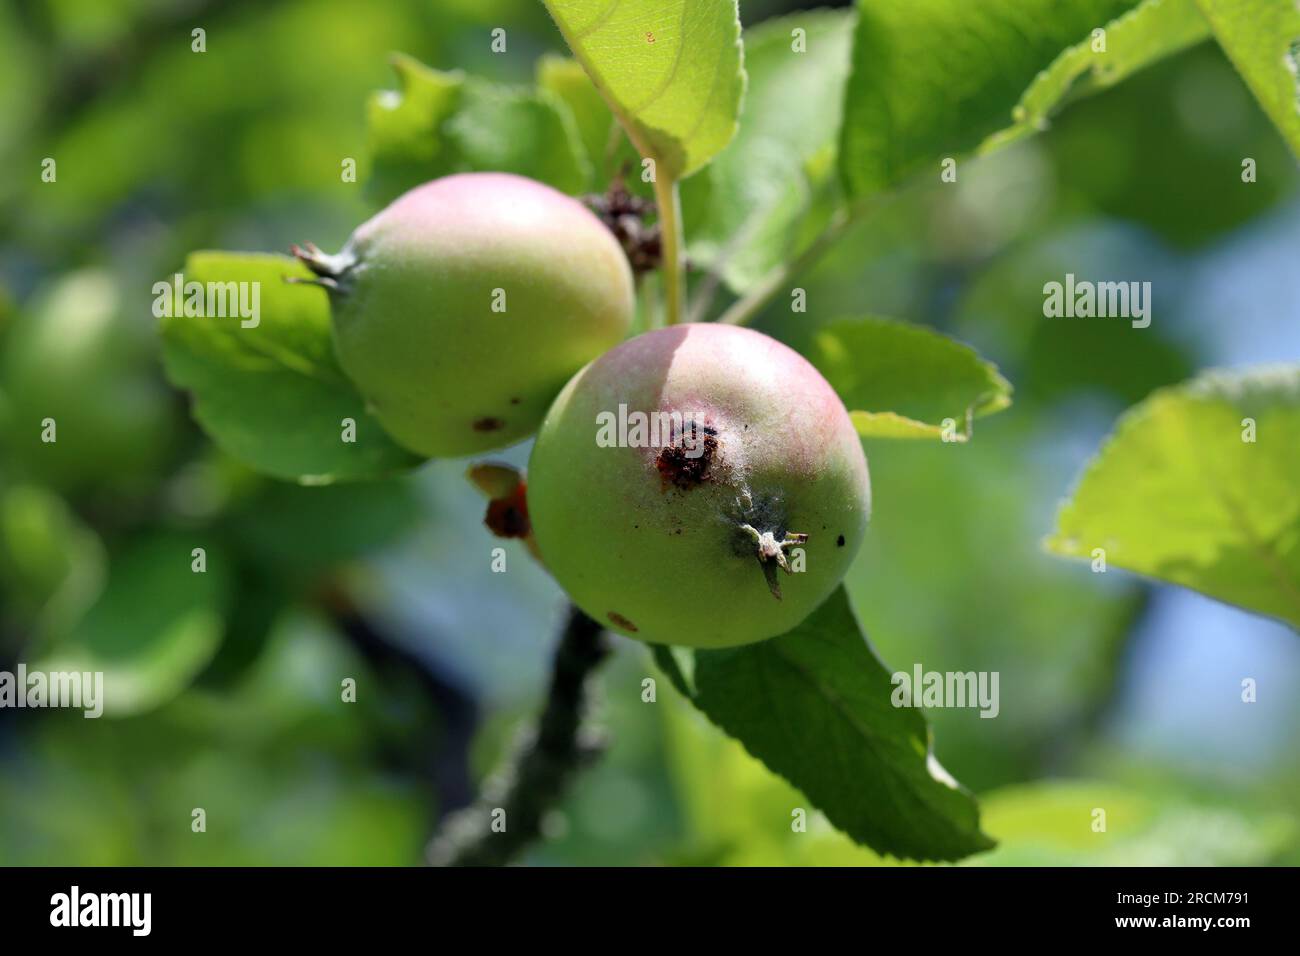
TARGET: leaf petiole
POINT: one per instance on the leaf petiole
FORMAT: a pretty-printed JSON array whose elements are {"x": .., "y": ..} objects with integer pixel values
[{"x": 668, "y": 201}]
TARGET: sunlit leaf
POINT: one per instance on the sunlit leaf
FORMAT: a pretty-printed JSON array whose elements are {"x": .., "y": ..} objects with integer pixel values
[
  {"x": 437, "y": 123},
  {"x": 1198, "y": 486},
  {"x": 774, "y": 188},
  {"x": 1056, "y": 823},
  {"x": 1150, "y": 31},
  {"x": 272, "y": 394},
  {"x": 939, "y": 79},
  {"x": 903, "y": 381},
  {"x": 1262, "y": 38},
  {"x": 671, "y": 70}
]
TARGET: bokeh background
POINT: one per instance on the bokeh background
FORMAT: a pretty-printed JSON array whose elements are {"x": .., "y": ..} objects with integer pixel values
[{"x": 1115, "y": 693}]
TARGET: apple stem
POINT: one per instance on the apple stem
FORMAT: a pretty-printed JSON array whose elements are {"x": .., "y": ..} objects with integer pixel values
[
  {"x": 329, "y": 270},
  {"x": 668, "y": 202}
]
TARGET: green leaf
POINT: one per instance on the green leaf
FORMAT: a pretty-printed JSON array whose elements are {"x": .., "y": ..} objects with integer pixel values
[
  {"x": 595, "y": 124},
  {"x": 513, "y": 130},
  {"x": 901, "y": 381},
  {"x": 815, "y": 706},
  {"x": 405, "y": 128},
  {"x": 1180, "y": 493},
  {"x": 153, "y": 629},
  {"x": 273, "y": 395},
  {"x": 674, "y": 662},
  {"x": 608, "y": 151},
  {"x": 671, "y": 70},
  {"x": 437, "y": 123},
  {"x": 776, "y": 185},
  {"x": 1051, "y": 824},
  {"x": 294, "y": 533},
  {"x": 935, "y": 606},
  {"x": 1150, "y": 31},
  {"x": 933, "y": 79},
  {"x": 1262, "y": 39}
]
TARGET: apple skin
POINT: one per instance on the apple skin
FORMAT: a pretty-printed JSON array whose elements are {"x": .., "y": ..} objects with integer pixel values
[
  {"x": 660, "y": 553},
  {"x": 412, "y": 304}
]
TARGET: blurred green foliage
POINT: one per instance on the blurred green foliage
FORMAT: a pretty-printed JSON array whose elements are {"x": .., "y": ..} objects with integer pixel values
[
  {"x": 280, "y": 771},
  {"x": 161, "y": 150}
]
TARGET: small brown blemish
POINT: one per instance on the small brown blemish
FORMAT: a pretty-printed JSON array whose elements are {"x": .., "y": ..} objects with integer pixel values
[
  {"x": 649, "y": 38},
  {"x": 487, "y": 424},
  {"x": 507, "y": 517},
  {"x": 514, "y": 401},
  {"x": 618, "y": 620},
  {"x": 839, "y": 542},
  {"x": 680, "y": 469}
]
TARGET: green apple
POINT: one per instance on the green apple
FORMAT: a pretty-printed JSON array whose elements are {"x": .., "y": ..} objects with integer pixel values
[
  {"x": 698, "y": 485},
  {"x": 461, "y": 309}
]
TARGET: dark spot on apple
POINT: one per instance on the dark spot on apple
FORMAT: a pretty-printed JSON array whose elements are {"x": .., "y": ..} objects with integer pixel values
[
  {"x": 514, "y": 401},
  {"x": 507, "y": 520},
  {"x": 488, "y": 424},
  {"x": 508, "y": 517},
  {"x": 685, "y": 464},
  {"x": 618, "y": 620},
  {"x": 839, "y": 542}
]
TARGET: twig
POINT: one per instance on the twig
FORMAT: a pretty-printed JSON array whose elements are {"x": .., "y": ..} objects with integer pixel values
[
  {"x": 511, "y": 812},
  {"x": 707, "y": 290},
  {"x": 742, "y": 311},
  {"x": 704, "y": 296}
]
